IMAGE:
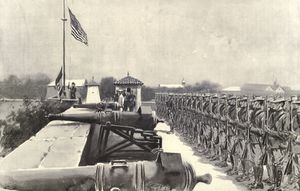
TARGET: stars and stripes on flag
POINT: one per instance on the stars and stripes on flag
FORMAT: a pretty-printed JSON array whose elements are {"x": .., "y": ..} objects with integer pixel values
[
  {"x": 76, "y": 29},
  {"x": 58, "y": 83}
]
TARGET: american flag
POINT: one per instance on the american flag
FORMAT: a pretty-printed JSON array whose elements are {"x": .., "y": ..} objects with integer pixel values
[
  {"x": 76, "y": 29},
  {"x": 58, "y": 83}
]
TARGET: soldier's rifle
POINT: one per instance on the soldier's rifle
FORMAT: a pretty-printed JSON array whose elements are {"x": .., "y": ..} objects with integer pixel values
[
  {"x": 266, "y": 130},
  {"x": 248, "y": 122},
  {"x": 226, "y": 124},
  {"x": 214, "y": 117},
  {"x": 246, "y": 126},
  {"x": 234, "y": 123},
  {"x": 236, "y": 115},
  {"x": 291, "y": 139},
  {"x": 211, "y": 119},
  {"x": 218, "y": 119},
  {"x": 248, "y": 119},
  {"x": 201, "y": 116},
  {"x": 284, "y": 136}
]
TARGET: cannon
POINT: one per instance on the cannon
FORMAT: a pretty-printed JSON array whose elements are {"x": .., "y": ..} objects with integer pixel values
[
  {"x": 101, "y": 106},
  {"x": 133, "y": 119},
  {"x": 167, "y": 172}
]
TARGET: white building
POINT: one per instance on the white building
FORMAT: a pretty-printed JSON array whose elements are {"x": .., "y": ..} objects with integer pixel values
[
  {"x": 134, "y": 84},
  {"x": 93, "y": 92},
  {"x": 173, "y": 86},
  {"x": 259, "y": 90},
  {"x": 235, "y": 90}
]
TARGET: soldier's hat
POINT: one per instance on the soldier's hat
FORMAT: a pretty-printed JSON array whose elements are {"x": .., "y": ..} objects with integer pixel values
[
  {"x": 278, "y": 100},
  {"x": 215, "y": 96},
  {"x": 244, "y": 98},
  {"x": 258, "y": 98},
  {"x": 296, "y": 102},
  {"x": 232, "y": 97},
  {"x": 223, "y": 96},
  {"x": 202, "y": 96}
]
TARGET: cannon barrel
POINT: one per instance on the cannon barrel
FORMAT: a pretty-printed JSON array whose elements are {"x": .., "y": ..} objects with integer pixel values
[
  {"x": 98, "y": 106},
  {"x": 166, "y": 173},
  {"x": 46, "y": 179},
  {"x": 140, "y": 121},
  {"x": 206, "y": 178}
]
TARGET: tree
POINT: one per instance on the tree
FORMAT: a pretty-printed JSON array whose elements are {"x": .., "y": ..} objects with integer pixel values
[
  {"x": 33, "y": 86},
  {"x": 12, "y": 80},
  {"x": 27, "y": 121},
  {"x": 206, "y": 86},
  {"x": 148, "y": 93},
  {"x": 41, "y": 78},
  {"x": 107, "y": 88}
]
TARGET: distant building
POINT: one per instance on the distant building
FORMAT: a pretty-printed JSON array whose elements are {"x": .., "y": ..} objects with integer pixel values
[
  {"x": 259, "y": 89},
  {"x": 235, "y": 90},
  {"x": 173, "y": 86},
  {"x": 134, "y": 84},
  {"x": 170, "y": 86},
  {"x": 295, "y": 90},
  {"x": 265, "y": 89}
]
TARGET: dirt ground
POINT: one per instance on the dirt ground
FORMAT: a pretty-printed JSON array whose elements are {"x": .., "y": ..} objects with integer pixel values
[{"x": 220, "y": 181}]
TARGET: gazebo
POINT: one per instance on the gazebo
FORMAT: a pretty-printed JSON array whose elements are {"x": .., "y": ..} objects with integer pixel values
[{"x": 134, "y": 84}]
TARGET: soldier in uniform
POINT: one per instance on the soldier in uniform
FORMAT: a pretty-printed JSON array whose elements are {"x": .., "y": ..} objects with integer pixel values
[
  {"x": 255, "y": 148},
  {"x": 201, "y": 126},
  {"x": 177, "y": 112},
  {"x": 194, "y": 132},
  {"x": 223, "y": 150},
  {"x": 214, "y": 117},
  {"x": 206, "y": 124},
  {"x": 72, "y": 91},
  {"x": 279, "y": 122},
  {"x": 191, "y": 122},
  {"x": 186, "y": 120},
  {"x": 161, "y": 105},
  {"x": 242, "y": 138},
  {"x": 232, "y": 139},
  {"x": 293, "y": 166},
  {"x": 266, "y": 145},
  {"x": 170, "y": 107}
]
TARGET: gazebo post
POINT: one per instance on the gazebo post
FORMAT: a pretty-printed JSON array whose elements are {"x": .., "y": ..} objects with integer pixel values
[{"x": 138, "y": 97}]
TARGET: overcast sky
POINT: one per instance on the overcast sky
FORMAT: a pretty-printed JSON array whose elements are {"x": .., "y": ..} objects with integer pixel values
[{"x": 157, "y": 41}]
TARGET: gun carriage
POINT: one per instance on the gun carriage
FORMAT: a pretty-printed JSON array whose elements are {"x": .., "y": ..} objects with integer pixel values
[{"x": 122, "y": 152}]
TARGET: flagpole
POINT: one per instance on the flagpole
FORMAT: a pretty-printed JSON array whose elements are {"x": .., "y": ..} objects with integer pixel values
[{"x": 64, "y": 45}]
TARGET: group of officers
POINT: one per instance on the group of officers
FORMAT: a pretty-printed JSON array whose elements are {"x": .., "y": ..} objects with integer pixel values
[{"x": 241, "y": 133}]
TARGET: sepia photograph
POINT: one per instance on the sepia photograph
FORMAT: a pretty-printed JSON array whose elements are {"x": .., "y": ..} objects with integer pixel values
[{"x": 149, "y": 95}]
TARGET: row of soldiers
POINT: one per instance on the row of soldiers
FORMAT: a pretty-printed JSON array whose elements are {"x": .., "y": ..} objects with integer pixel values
[{"x": 243, "y": 133}]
